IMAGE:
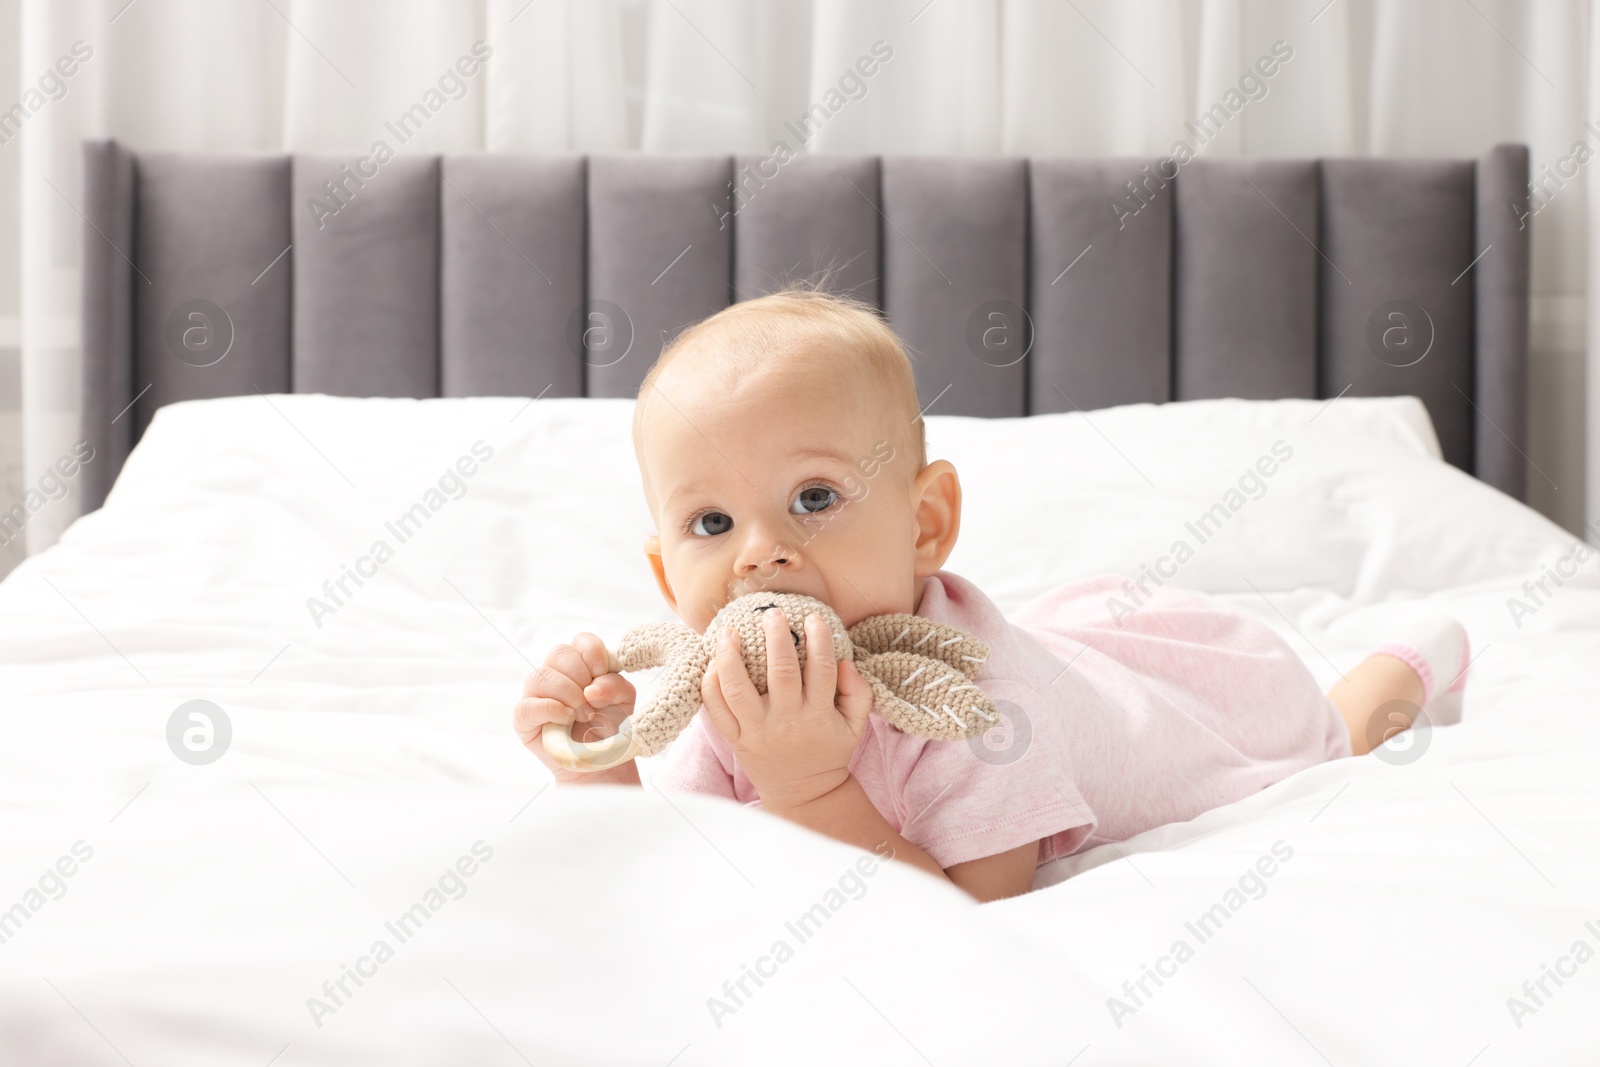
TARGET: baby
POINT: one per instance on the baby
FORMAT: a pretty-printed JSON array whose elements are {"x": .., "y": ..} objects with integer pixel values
[{"x": 782, "y": 448}]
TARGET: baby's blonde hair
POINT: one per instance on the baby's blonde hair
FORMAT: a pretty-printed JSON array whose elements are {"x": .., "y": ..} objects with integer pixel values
[{"x": 769, "y": 327}]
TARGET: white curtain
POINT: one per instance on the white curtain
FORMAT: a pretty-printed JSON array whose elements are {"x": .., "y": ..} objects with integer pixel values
[{"x": 1028, "y": 77}]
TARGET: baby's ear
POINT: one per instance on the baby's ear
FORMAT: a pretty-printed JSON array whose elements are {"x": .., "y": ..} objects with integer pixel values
[
  {"x": 652, "y": 552},
  {"x": 922, "y": 636}
]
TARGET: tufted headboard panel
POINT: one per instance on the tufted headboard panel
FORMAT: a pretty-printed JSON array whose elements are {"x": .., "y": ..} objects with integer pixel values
[{"x": 1023, "y": 286}]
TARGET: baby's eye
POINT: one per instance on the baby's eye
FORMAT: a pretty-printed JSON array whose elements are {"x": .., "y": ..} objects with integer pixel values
[
  {"x": 813, "y": 499},
  {"x": 710, "y": 523}
]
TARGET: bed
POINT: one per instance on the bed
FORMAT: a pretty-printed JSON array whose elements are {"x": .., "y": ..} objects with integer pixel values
[{"x": 347, "y": 857}]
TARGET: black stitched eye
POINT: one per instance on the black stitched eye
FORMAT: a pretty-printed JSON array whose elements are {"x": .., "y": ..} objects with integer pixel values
[{"x": 792, "y": 632}]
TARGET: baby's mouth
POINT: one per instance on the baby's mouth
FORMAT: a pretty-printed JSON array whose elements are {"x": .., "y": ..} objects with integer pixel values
[{"x": 741, "y": 588}]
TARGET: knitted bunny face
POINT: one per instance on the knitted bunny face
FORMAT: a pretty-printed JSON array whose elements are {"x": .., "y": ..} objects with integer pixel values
[{"x": 921, "y": 674}]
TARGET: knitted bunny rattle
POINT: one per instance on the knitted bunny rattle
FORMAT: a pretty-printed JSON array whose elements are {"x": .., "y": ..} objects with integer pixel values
[{"x": 920, "y": 671}]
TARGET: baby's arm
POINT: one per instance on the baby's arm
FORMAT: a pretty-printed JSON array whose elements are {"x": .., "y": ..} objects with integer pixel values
[
  {"x": 795, "y": 743},
  {"x": 1005, "y": 874},
  {"x": 846, "y": 814}
]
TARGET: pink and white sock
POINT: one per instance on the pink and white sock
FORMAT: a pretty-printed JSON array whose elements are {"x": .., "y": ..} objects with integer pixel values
[{"x": 1438, "y": 650}]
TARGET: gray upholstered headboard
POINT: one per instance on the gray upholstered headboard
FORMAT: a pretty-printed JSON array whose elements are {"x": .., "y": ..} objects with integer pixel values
[{"x": 1023, "y": 285}]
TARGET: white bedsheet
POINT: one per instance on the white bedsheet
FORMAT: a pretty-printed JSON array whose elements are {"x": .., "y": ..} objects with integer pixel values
[{"x": 372, "y": 753}]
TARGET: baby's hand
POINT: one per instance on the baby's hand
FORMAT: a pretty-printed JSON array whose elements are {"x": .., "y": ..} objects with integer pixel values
[
  {"x": 575, "y": 689},
  {"x": 795, "y": 742}
]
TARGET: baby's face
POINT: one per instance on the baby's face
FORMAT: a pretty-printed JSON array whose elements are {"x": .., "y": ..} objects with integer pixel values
[{"x": 789, "y": 480}]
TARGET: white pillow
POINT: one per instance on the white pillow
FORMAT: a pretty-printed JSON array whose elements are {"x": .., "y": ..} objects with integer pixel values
[
  {"x": 292, "y": 489},
  {"x": 1349, "y": 496}
]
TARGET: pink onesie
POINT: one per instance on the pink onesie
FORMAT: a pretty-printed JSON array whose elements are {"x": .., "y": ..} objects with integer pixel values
[{"x": 1110, "y": 726}]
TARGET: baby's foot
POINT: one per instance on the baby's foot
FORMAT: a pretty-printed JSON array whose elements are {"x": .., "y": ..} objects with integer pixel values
[{"x": 1436, "y": 648}]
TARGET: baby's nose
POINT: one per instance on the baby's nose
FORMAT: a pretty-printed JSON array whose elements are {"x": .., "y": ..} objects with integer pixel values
[{"x": 768, "y": 558}]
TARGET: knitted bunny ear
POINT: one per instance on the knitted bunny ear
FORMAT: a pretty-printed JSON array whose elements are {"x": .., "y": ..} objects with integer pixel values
[
  {"x": 686, "y": 655},
  {"x": 648, "y": 730},
  {"x": 921, "y": 676}
]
